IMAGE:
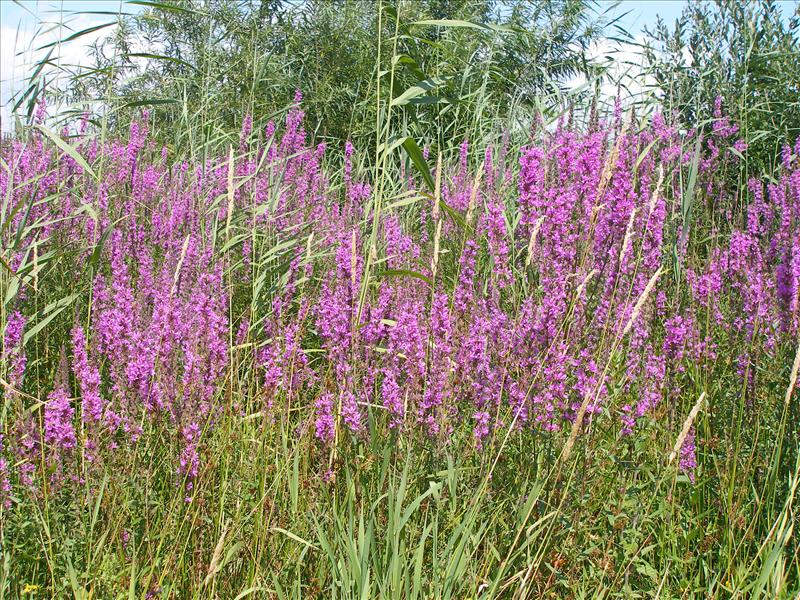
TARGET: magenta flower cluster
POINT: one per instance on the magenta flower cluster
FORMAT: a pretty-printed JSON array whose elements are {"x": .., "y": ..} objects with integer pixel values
[{"x": 546, "y": 283}]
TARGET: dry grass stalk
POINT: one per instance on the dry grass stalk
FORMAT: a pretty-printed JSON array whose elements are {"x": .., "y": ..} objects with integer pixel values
[
  {"x": 180, "y": 265},
  {"x": 532, "y": 241},
  {"x": 230, "y": 192},
  {"x": 656, "y": 191},
  {"x": 353, "y": 260},
  {"x": 608, "y": 168},
  {"x": 793, "y": 376},
  {"x": 476, "y": 184},
  {"x": 585, "y": 282},
  {"x": 214, "y": 565},
  {"x": 642, "y": 299},
  {"x": 436, "y": 243},
  {"x": 628, "y": 235},
  {"x": 576, "y": 425},
  {"x": 437, "y": 192},
  {"x": 687, "y": 425}
]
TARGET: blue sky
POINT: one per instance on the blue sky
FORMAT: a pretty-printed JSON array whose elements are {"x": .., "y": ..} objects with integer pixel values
[
  {"x": 636, "y": 14},
  {"x": 14, "y": 11},
  {"x": 640, "y": 12}
]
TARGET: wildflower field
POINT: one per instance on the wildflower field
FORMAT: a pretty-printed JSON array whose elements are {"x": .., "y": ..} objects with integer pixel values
[{"x": 550, "y": 360}]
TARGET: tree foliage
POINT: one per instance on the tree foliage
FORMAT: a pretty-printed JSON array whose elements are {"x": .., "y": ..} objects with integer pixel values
[
  {"x": 746, "y": 52},
  {"x": 453, "y": 59}
]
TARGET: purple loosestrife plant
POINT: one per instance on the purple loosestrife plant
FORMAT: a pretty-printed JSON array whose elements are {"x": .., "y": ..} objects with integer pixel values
[
  {"x": 533, "y": 319},
  {"x": 14, "y": 356}
]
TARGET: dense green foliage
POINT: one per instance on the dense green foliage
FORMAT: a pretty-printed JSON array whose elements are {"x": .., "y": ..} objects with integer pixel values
[
  {"x": 452, "y": 63},
  {"x": 746, "y": 52},
  {"x": 274, "y": 511}
]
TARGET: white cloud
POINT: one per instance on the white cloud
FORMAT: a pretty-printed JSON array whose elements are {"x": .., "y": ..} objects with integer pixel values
[
  {"x": 21, "y": 47},
  {"x": 625, "y": 72}
]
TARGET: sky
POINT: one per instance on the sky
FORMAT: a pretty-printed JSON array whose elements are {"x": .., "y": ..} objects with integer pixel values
[
  {"x": 29, "y": 24},
  {"x": 18, "y": 29},
  {"x": 636, "y": 14}
]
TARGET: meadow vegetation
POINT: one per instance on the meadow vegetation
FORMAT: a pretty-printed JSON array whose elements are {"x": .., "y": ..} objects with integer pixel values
[{"x": 279, "y": 323}]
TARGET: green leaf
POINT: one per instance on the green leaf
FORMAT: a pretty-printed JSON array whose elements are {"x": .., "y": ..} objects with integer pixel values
[
  {"x": 58, "y": 141},
  {"x": 54, "y": 308},
  {"x": 450, "y": 23},
  {"x": 166, "y": 7},
  {"x": 422, "y": 87},
  {"x": 151, "y": 102},
  {"x": 78, "y": 34},
  {"x": 688, "y": 195},
  {"x": 405, "y": 273},
  {"x": 294, "y": 537},
  {"x": 415, "y": 154},
  {"x": 162, "y": 57}
]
